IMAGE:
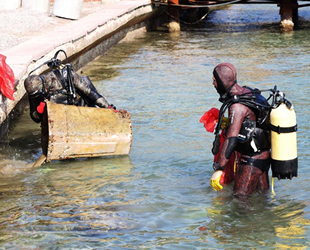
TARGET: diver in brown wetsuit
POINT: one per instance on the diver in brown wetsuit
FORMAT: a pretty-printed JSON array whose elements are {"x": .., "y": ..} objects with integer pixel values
[{"x": 247, "y": 132}]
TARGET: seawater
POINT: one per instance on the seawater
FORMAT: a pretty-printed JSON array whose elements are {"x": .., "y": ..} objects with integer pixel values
[{"x": 159, "y": 196}]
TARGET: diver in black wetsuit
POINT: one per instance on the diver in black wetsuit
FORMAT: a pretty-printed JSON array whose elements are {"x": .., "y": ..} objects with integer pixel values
[{"x": 61, "y": 85}]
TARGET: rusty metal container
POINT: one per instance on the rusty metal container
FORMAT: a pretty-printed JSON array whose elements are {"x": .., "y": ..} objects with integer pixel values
[{"x": 70, "y": 131}]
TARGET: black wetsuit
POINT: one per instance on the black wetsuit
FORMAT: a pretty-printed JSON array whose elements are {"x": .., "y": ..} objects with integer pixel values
[{"x": 54, "y": 87}]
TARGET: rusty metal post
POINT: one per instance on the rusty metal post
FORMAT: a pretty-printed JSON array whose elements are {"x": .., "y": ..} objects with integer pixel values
[
  {"x": 288, "y": 13},
  {"x": 174, "y": 17}
]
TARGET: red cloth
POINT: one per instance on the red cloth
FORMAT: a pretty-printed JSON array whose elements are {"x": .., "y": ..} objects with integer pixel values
[
  {"x": 210, "y": 118},
  {"x": 7, "y": 79}
]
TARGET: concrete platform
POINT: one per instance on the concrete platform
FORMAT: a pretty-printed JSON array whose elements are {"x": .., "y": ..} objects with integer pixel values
[{"x": 83, "y": 40}]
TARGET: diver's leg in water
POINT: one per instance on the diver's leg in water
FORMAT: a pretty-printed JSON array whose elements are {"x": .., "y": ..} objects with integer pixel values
[
  {"x": 246, "y": 180},
  {"x": 263, "y": 181}
]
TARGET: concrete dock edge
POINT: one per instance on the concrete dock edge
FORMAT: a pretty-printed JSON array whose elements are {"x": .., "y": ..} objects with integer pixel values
[{"x": 82, "y": 40}]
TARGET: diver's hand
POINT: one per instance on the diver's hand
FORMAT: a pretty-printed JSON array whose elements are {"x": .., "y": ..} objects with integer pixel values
[
  {"x": 111, "y": 106},
  {"x": 215, "y": 180}
]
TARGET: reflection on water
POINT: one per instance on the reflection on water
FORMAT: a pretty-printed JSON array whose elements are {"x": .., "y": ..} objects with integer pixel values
[
  {"x": 159, "y": 196},
  {"x": 72, "y": 197},
  {"x": 244, "y": 224}
]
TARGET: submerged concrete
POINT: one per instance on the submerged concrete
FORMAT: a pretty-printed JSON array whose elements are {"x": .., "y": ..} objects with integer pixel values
[{"x": 82, "y": 40}]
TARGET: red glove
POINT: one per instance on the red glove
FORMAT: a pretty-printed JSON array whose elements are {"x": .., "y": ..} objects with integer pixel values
[
  {"x": 111, "y": 106},
  {"x": 41, "y": 107}
]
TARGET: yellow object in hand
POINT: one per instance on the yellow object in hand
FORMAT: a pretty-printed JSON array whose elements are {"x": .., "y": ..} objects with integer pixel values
[
  {"x": 215, "y": 180},
  {"x": 225, "y": 122}
]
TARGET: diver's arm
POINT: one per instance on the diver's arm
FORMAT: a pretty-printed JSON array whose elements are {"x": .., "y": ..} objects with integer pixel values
[
  {"x": 34, "y": 114},
  {"x": 89, "y": 92},
  {"x": 33, "y": 86},
  {"x": 237, "y": 113}
]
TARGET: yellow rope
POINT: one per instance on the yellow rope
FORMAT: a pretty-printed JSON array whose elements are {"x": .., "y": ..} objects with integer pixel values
[
  {"x": 272, "y": 186},
  {"x": 235, "y": 162}
]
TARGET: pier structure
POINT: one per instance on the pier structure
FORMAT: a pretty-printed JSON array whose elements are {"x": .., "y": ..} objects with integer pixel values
[{"x": 288, "y": 9}]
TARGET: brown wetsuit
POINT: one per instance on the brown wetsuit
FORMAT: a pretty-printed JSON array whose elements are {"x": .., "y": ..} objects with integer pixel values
[
  {"x": 248, "y": 177},
  {"x": 252, "y": 171}
]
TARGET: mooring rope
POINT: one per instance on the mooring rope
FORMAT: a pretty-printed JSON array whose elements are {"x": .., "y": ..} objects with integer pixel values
[
  {"x": 179, "y": 20},
  {"x": 200, "y": 6}
]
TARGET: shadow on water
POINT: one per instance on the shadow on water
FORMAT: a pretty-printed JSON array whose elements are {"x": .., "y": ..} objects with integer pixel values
[{"x": 20, "y": 147}]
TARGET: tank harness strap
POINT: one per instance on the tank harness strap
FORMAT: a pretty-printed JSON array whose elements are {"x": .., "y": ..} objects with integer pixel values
[
  {"x": 42, "y": 82},
  {"x": 67, "y": 84},
  {"x": 280, "y": 130},
  {"x": 46, "y": 94},
  {"x": 262, "y": 164},
  {"x": 60, "y": 78}
]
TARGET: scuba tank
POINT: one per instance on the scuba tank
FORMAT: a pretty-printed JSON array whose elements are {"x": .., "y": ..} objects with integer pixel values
[{"x": 284, "y": 160}]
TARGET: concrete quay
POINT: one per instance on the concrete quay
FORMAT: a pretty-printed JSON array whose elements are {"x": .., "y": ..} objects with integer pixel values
[{"x": 82, "y": 40}]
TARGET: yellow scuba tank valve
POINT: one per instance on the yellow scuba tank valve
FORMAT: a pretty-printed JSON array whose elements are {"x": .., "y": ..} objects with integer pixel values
[{"x": 284, "y": 160}]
